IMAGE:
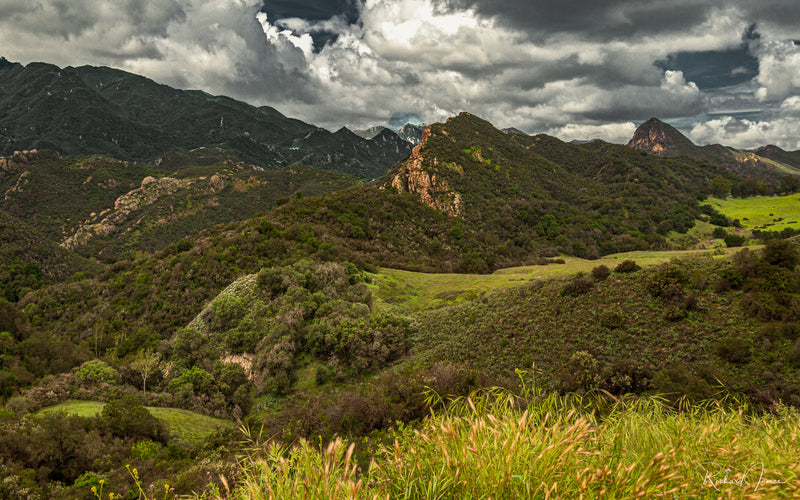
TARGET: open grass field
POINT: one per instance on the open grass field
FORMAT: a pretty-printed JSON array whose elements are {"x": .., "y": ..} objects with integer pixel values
[
  {"x": 770, "y": 213},
  {"x": 183, "y": 424},
  {"x": 407, "y": 291}
]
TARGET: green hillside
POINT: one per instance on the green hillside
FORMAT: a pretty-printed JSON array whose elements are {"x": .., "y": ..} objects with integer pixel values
[
  {"x": 108, "y": 209},
  {"x": 29, "y": 260},
  {"x": 538, "y": 194}
]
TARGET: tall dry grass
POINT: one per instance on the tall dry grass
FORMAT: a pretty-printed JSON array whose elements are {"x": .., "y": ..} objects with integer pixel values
[{"x": 498, "y": 445}]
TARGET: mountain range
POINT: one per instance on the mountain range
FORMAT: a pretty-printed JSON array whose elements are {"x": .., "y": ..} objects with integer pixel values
[{"x": 98, "y": 110}]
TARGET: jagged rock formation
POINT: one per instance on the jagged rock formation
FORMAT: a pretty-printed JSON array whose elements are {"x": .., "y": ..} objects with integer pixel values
[
  {"x": 433, "y": 190},
  {"x": 791, "y": 158},
  {"x": 513, "y": 130},
  {"x": 371, "y": 132}
]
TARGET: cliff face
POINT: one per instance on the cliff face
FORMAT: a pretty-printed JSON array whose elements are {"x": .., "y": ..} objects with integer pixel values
[{"x": 417, "y": 177}]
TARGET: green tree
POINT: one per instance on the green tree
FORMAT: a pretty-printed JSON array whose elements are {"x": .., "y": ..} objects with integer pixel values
[
  {"x": 126, "y": 417},
  {"x": 145, "y": 363},
  {"x": 721, "y": 187}
]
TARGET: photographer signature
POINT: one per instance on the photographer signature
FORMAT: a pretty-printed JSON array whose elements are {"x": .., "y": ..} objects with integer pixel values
[{"x": 714, "y": 475}]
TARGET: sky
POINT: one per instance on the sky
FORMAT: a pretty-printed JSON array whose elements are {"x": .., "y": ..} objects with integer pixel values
[{"x": 722, "y": 71}]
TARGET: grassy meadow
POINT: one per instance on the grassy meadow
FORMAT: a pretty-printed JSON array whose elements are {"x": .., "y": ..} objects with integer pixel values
[
  {"x": 767, "y": 213},
  {"x": 183, "y": 424}
]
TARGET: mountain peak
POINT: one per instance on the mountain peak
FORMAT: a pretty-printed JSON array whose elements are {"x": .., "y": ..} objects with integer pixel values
[
  {"x": 655, "y": 136},
  {"x": 6, "y": 65}
]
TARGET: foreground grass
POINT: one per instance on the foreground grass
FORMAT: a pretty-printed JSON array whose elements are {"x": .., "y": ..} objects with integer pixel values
[
  {"x": 492, "y": 446},
  {"x": 410, "y": 291},
  {"x": 769, "y": 213},
  {"x": 182, "y": 424}
]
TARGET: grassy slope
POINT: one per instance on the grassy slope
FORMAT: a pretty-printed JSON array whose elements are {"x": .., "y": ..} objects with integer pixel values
[
  {"x": 535, "y": 324},
  {"x": 184, "y": 424},
  {"x": 412, "y": 292},
  {"x": 768, "y": 213}
]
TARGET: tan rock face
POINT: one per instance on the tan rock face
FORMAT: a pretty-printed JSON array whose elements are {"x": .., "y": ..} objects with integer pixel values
[
  {"x": 216, "y": 182},
  {"x": 432, "y": 190},
  {"x": 124, "y": 209},
  {"x": 655, "y": 141}
]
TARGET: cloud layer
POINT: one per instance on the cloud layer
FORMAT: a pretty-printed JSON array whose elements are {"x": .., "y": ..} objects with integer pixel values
[{"x": 576, "y": 68}]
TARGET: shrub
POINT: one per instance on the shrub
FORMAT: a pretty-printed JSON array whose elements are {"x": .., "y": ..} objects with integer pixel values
[
  {"x": 611, "y": 319},
  {"x": 699, "y": 280},
  {"x": 666, "y": 282},
  {"x": 674, "y": 313},
  {"x": 794, "y": 353},
  {"x": 226, "y": 312},
  {"x": 746, "y": 263},
  {"x": 600, "y": 273},
  {"x": 734, "y": 240},
  {"x": 583, "y": 372},
  {"x": 578, "y": 285},
  {"x": 780, "y": 253},
  {"x": 627, "y": 266},
  {"x": 95, "y": 372},
  {"x": 721, "y": 285},
  {"x": 677, "y": 381},
  {"x": 626, "y": 376},
  {"x": 193, "y": 381},
  {"x": 733, "y": 277},
  {"x": 145, "y": 449},
  {"x": 689, "y": 302},
  {"x": 719, "y": 233},
  {"x": 734, "y": 349},
  {"x": 126, "y": 417},
  {"x": 323, "y": 375}
]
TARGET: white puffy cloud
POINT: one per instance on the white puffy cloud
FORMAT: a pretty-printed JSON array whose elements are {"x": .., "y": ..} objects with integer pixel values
[
  {"x": 748, "y": 134},
  {"x": 779, "y": 70},
  {"x": 609, "y": 132},
  {"x": 84, "y": 31}
]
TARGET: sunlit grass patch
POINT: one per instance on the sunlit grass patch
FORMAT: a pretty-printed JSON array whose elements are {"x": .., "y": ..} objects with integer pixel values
[
  {"x": 182, "y": 424},
  {"x": 767, "y": 213},
  {"x": 411, "y": 291}
]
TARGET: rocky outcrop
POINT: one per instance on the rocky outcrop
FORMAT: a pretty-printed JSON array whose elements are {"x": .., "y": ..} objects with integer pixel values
[
  {"x": 655, "y": 136},
  {"x": 415, "y": 177},
  {"x": 150, "y": 190}
]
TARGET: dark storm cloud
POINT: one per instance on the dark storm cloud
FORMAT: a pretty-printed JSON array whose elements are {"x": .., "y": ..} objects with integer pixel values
[
  {"x": 618, "y": 19},
  {"x": 314, "y": 10},
  {"x": 596, "y": 19},
  {"x": 714, "y": 69}
]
